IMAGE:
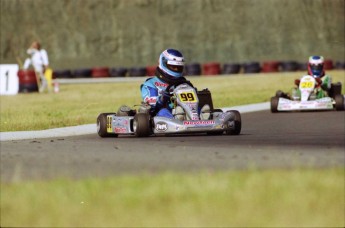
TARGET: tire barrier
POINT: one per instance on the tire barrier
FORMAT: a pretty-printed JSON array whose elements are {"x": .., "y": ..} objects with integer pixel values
[
  {"x": 82, "y": 73},
  {"x": 289, "y": 66},
  {"x": 251, "y": 67},
  {"x": 137, "y": 71},
  {"x": 100, "y": 72},
  {"x": 339, "y": 65},
  {"x": 271, "y": 66},
  {"x": 212, "y": 68},
  {"x": 328, "y": 64},
  {"x": 27, "y": 81},
  {"x": 231, "y": 68},
  {"x": 193, "y": 69},
  {"x": 151, "y": 70},
  {"x": 118, "y": 72},
  {"x": 62, "y": 74},
  {"x": 303, "y": 66}
]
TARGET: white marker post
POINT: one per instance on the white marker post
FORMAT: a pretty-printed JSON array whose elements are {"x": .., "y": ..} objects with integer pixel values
[{"x": 9, "y": 81}]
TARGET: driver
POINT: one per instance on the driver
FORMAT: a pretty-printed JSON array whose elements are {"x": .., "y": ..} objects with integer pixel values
[
  {"x": 316, "y": 69},
  {"x": 169, "y": 72}
]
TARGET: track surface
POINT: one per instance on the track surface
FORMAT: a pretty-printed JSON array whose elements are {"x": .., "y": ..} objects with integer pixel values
[{"x": 283, "y": 140}]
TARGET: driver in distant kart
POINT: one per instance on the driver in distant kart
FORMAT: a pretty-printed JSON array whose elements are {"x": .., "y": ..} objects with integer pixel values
[
  {"x": 323, "y": 81},
  {"x": 168, "y": 72}
]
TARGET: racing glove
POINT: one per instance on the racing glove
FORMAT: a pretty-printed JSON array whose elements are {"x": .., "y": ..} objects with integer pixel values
[
  {"x": 297, "y": 81},
  {"x": 318, "y": 81},
  {"x": 163, "y": 98}
]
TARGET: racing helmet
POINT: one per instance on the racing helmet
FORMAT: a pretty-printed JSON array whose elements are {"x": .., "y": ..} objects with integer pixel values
[
  {"x": 315, "y": 66},
  {"x": 171, "y": 64}
]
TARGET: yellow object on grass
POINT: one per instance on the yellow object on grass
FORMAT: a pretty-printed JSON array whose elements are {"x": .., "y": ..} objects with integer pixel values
[{"x": 48, "y": 74}]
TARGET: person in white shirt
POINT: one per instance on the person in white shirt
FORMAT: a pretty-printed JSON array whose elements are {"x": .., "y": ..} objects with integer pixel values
[{"x": 40, "y": 62}]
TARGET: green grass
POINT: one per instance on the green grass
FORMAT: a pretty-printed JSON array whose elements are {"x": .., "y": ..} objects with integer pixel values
[
  {"x": 274, "y": 198},
  {"x": 81, "y": 103}
]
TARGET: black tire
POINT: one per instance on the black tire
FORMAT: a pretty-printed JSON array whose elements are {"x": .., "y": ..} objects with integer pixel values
[
  {"x": 102, "y": 125},
  {"x": 137, "y": 72},
  {"x": 142, "y": 125},
  {"x": 251, "y": 67},
  {"x": 231, "y": 68},
  {"x": 62, "y": 74},
  {"x": 274, "y": 104},
  {"x": 289, "y": 66},
  {"x": 335, "y": 89},
  {"x": 82, "y": 73},
  {"x": 302, "y": 66},
  {"x": 236, "y": 129},
  {"x": 339, "y": 102},
  {"x": 340, "y": 65},
  {"x": 118, "y": 72},
  {"x": 193, "y": 69},
  {"x": 279, "y": 93}
]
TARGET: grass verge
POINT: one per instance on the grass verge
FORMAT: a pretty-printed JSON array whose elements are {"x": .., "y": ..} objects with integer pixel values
[{"x": 272, "y": 198}]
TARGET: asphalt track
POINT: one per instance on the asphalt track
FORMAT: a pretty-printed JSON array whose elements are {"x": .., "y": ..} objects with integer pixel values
[{"x": 282, "y": 140}]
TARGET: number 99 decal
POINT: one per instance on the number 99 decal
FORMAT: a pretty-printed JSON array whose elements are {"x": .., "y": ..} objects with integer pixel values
[{"x": 187, "y": 97}]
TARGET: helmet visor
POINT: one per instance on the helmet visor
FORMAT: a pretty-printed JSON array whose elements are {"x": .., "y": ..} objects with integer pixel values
[
  {"x": 316, "y": 67},
  {"x": 175, "y": 66}
]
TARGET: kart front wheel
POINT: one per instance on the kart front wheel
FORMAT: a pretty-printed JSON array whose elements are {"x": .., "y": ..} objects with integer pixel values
[
  {"x": 274, "y": 104},
  {"x": 235, "y": 123},
  {"x": 339, "y": 102},
  {"x": 141, "y": 125},
  {"x": 102, "y": 122}
]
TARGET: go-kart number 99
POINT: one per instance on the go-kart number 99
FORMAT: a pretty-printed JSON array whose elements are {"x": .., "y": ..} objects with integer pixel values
[
  {"x": 187, "y": 97},
  {"x": 305, "y": 85}
]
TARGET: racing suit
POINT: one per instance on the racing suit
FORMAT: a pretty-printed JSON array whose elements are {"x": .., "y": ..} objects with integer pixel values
[
  {"x": 323, "y": 85},
  {"x": 153, "y": 92}
]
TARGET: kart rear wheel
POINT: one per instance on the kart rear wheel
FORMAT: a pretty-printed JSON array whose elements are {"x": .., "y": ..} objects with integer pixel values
[
  {"x": 339, "y": 102},
  {"x": 274, "y": 104},
  {"x": 141, "y": 125},
  {"x": 236, "y": 123},
  {"x": 102, "y": 125}
]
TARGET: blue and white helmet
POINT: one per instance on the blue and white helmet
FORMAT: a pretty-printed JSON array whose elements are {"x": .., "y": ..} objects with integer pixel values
[
  {"x": 171, "y": 63},
  {"x": 315, "y": 66}
]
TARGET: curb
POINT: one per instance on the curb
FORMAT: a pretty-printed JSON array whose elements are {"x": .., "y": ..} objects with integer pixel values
[{"x": 91, "y": 128}]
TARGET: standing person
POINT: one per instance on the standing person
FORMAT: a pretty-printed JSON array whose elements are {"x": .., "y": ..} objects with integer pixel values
[{"x": 40, "y": 62}]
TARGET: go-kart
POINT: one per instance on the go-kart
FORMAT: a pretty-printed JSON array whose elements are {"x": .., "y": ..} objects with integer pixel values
[
  {"x": 305, "y": 99},
  {"x": 192, "y": 110}
]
